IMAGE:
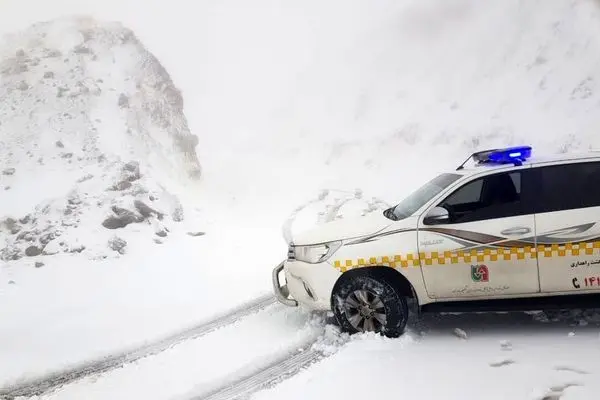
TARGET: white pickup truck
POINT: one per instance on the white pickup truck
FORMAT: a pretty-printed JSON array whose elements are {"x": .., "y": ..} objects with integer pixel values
[{"x": 509, "y": 232}]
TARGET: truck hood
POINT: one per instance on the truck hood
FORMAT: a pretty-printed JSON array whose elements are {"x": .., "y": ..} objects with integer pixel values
[{"x": 343, "y": 229}]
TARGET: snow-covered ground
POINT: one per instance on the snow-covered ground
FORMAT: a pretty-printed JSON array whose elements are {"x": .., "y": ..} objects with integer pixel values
[
  {"x": 501, "y": 357},
  {"x": 286, "y": 99},
  {"x": 197, "y": 366}
]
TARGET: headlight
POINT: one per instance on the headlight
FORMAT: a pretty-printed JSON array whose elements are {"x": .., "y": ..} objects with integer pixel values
[{"x": 317, "y": 253}]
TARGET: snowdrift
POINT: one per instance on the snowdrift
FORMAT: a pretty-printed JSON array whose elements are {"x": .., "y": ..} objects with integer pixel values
[{"x": 93, "y": 138}]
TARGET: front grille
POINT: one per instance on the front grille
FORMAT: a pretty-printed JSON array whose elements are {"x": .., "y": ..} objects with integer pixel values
[{"x": 291, "y": 256}]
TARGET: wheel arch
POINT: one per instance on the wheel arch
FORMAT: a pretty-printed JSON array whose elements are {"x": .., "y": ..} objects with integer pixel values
[{"x": 391, "y": 275}]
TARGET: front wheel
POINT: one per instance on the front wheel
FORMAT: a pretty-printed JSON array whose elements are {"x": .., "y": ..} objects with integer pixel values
[{"x": 368, "y": 303}]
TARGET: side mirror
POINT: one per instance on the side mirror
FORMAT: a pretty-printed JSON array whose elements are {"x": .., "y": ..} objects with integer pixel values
[{"x": 437, "y": 215}]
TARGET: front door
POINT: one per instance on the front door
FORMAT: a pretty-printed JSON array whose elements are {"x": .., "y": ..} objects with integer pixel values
[
  {"x": 487, "y": 247},
  {"x": 568, "y": 227}
]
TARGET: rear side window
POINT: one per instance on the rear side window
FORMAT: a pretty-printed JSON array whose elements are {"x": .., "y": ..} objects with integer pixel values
[{"x": 568, "y": 187}]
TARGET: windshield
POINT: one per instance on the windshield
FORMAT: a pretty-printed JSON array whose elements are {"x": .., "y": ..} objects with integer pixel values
[{"x": 418, "y": 198}]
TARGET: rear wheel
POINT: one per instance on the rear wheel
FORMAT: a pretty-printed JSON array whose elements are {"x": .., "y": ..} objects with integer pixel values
[{"x": 369, "y": 303}]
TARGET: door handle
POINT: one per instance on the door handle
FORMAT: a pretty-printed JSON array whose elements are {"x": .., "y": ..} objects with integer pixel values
[{"x": 518, "y": 230}]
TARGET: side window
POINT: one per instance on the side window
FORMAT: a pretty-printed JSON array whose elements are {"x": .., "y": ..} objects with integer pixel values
[
  {"x": 568, "y": 187},
  {"x": 493, "y": 196},
  {"x": 470, "y": 193}
]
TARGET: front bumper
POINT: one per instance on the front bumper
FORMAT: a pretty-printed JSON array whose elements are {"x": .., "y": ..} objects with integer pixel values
[
  {"x": 309, "y": 285},
  {"x": 281, "y": 291}
]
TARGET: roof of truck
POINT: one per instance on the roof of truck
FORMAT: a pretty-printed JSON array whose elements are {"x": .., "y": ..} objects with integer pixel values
[{"x": 472, "y": 167}]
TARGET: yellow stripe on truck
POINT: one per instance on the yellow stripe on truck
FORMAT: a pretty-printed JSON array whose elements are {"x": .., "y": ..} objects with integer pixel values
[{"x": 471, "y": 256}]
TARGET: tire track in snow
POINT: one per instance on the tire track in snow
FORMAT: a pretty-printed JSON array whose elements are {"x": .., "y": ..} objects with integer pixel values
[
  {"x": 38, "y": 386},
  {"x": 266, "y": 377}
]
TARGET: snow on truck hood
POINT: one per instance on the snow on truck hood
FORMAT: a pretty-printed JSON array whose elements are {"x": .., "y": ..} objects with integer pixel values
[{"x": 346, "y": 228}]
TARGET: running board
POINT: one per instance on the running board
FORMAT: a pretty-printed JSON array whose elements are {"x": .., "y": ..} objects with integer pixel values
[{"x": 516, "y": 304}]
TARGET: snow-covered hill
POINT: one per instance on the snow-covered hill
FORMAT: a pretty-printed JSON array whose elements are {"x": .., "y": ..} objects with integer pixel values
[
  {"x": 93, "y": 137},
  {"x": 353, "y": 94}
]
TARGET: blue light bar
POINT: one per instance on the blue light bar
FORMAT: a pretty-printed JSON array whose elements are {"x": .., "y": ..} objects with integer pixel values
[{"x": 511, "y": 155}]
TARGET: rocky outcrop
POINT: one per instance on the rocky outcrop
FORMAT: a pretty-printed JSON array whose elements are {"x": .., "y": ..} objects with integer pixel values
[{"x": 86, "y": 98}]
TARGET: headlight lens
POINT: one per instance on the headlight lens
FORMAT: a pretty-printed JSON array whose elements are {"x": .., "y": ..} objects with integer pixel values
[{"x": 317, "y": 253}]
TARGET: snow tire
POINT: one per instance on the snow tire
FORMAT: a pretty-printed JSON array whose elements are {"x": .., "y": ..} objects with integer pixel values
[{"x": 394, "y": 304}]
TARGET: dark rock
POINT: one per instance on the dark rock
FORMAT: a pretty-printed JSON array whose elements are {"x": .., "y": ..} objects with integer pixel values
[
  {"x": 117, "y": 244},
  {"x": 26, "y": 219},
  {"x": 10, "y": 254},
  {"x": 74, "y": 200},
  {"x": 39, "y": 264},
  {"x": 196, "y": 234},
  {"x": 85, "y": 178},
  {"x": 146, "y": 210},
  {"x": 10, "y": 223},
  {"x": 47, "y": 238},
  {"x": 48, "y": 75},
  {"x": 132, "y": 166},
  {"x": 61, "y": 91},
  {"x": 123, "y": 185},
  {"x": 66, "y": 155},
  {"x": 121, "y": 212},
  {"x": 77, "y": 249},
  {"x": 69, "y": 223},
  {"x": 26, "y": 235},
  {"x": 121, "y": 219},
  {"x": 161, "y": 233},
  {"x": 113, "y": 222},
  {"x": 9, "y": 171},
  {"x": 177, "y": 214},
  {"x": 123, "y": 101},
  {"x": 12, "y": 282},
  {"x": 158, "y": 241},
  {"x": 132, "y": 171},
  {"x": 79, "y": 49},
  {"x": 138, "y": 190},
  {"x": 33, "y": 251}
]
